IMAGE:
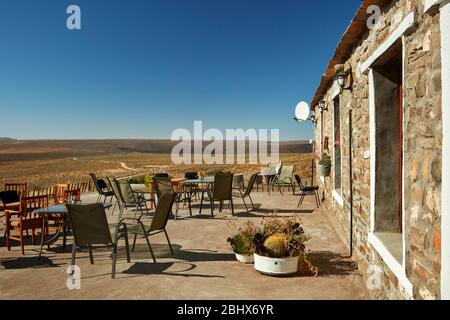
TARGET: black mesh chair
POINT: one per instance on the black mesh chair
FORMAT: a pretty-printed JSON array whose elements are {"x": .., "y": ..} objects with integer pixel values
[
  {"x": 191, "y": 175},
  {"x": 247, "y": 193},
  {"x": 158, "y": 224},
  {"x": 161, "y": 175},
  {"x": 305, "y": 190},
  {"x": 102, "y": 188},
  {"x": 90, "y": 228},
  {"x": 164, "y": 185},
  {"x": 222, "y": 191}
]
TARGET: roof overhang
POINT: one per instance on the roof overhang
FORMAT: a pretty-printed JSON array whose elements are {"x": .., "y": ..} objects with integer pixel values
[{"x": 352, "y": 36}]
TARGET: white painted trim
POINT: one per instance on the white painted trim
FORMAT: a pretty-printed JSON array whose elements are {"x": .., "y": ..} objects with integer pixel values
[
  {"x": 338, "y": 198},
  {"x": 429, "y": 4},
  {"x": 408, "y": 22},
  {"x": 392, "y": 263},
  {"x": 335, "y": 91},
  {"x": 445, "y": 205},
  {"x": 399, "y": 269},
  {"x": 373, "y": 150},
  {"x": 404, "y": 143}
]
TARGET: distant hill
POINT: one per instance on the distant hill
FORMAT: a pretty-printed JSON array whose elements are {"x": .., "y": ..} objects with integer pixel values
[
  {"x": 57, "y": 149},
  {"x": 7, "y": 139}
]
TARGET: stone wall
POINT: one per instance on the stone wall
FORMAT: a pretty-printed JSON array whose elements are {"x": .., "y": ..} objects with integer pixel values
[{"x": 422, "y": 154}]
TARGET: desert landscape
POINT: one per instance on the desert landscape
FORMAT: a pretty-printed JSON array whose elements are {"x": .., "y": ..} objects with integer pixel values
[{"x": 43, "y": 163}]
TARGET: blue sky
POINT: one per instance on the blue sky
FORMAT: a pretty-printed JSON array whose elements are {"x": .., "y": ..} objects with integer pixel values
[{"x": 140, "y": 69}]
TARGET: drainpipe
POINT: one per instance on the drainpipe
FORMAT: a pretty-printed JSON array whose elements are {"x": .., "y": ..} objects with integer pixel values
[{"x": 350, "y": 128}]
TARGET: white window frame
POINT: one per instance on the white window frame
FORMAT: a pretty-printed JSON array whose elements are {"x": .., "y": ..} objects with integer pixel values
[
  {"x": 336, "y": 91},
  {"x": 398, "y": 268}
]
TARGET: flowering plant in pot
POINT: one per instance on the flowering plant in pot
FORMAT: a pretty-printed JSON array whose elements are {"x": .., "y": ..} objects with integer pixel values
[
  {"x": 280, "y": 247},
  {"x": 326, "y": 165},
  {"x": 242, "y": 242}
]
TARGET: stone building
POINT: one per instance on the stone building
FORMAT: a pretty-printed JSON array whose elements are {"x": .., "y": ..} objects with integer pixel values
[{"x": 383, "y": 116}]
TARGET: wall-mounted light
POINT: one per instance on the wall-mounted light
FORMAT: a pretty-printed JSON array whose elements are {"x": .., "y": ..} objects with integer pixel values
[
  {"x": 343, "y": 76},
  {"x": 322, "y": 106},
  {"x": 344, "y": 80}
]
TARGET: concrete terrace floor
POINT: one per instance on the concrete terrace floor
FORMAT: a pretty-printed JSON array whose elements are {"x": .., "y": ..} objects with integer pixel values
[{"x": 202, "y": 268}]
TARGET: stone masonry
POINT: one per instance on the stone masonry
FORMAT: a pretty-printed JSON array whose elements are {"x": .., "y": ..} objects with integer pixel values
[{"x": 422, "y": 139}]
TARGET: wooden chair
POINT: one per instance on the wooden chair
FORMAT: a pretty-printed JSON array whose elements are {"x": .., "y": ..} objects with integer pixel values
[
  {"x": 21, "y": 188},
  {"x": 24, "y": 220},
  {"x": 59, "y": 193},
  {"x": 72, "y": 195}
]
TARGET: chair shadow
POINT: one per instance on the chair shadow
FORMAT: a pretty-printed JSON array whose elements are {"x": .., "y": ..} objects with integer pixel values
[
  {"x": 162, "y": 251},
  {"x": 283, "y": 211},
  {"x": 332, "y": 264},
  {"x": 147, "y": 268},
  {"x": 29, "y": 262}
]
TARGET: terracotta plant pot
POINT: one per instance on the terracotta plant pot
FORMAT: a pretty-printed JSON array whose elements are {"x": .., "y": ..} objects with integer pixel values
[{"x": 278, "y": 267}]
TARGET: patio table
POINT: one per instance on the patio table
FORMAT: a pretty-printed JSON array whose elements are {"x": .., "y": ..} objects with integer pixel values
[{"x": 60, "y": 209}]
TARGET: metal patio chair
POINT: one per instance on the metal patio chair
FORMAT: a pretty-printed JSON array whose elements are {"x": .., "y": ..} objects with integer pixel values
[
  {"x": 222, "y": 191},
  {"x": 158, "y": 224},
  {"x": 129, "y": 199},
  {"x": 248, "y": 191},
  {"x": 284, "y": 179},
  {"x": 90, "y": 228},
  {"x": 102, "y": 189},
  {"x": 164, "y": 185},
  {"x": 305, "y": 190}
]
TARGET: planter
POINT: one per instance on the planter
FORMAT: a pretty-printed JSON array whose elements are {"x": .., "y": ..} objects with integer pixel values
[
  {"x": 279, "y": 267},
  {"x": 245, "y": 258},
  {"x": 325, "y": 171}
]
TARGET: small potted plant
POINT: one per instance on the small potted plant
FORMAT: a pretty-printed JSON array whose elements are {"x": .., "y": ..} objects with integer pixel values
[
  {"x": 326, "y": 165},
  {"x": 242, "y": 242},
  {"x": 148, "y": 180},
  {"x": 280, "y": 246}
]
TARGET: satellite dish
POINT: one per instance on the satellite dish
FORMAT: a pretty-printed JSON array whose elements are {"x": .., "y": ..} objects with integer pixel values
[{"x": 302, "y": 111}]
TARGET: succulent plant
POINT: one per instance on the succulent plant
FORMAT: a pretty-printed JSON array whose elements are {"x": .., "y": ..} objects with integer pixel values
[{"x": 277, "y": 246}]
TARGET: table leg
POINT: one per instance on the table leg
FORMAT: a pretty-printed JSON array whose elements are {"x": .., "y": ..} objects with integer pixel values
[{"x": 42, "y": 237}]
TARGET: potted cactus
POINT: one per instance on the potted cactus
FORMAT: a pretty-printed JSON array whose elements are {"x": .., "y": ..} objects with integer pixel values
[
  {"x": 242, "y": 242},
  {"x": 279, "y": 245}
]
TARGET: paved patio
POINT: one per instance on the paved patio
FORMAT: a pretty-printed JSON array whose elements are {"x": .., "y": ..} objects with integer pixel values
[{"x": 203, "y": 266}]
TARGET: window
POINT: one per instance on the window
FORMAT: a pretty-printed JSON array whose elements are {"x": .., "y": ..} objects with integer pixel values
[
  {"x": 387, "y": 77},
  {"x": 385, "y": 68},
  {"x": 337, "y": 148}
]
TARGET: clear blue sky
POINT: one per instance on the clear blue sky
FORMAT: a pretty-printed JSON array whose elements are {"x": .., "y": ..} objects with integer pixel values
[{"x": 140, "y": 69}]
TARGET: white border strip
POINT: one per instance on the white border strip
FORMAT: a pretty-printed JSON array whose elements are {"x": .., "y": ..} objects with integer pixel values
[
  {"x": 392, "y": 263},
  {"x": 404, "y": 26},
  {"x": 445, "y": 206}
]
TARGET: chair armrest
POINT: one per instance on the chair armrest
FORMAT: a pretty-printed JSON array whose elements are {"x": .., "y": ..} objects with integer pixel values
[{"x": 11, "y": 211}]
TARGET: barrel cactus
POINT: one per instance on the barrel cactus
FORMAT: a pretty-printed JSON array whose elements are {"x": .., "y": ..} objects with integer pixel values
[{"x": 277, "y": 246}]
